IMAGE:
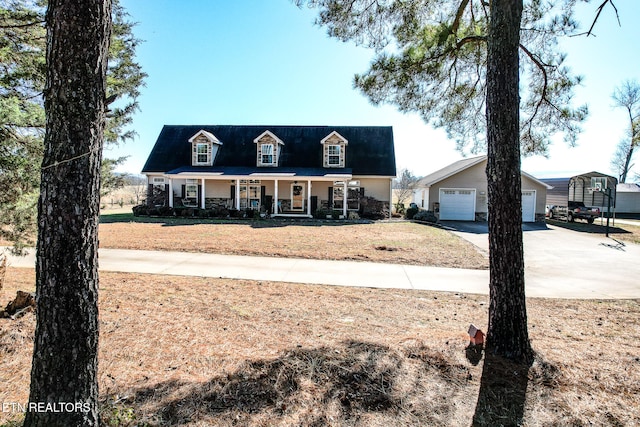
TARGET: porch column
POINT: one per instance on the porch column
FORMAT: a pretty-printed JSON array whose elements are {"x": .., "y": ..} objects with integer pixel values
[
  {"x": 237, "y": 194},
  {"x": 170, "y": 192},
  {"x": 202, "y": 204},
  {"x": 344, "y": 198},
  {"x": 391, "y": 197},
  {"x": 275, "y": 202},
  {"x": 309, "y": 197}
]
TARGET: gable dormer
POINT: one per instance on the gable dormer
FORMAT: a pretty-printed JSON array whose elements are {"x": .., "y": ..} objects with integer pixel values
[
  {"x": 334, "y": 150},
  {"x": 204, "y": 147},
  {"x": 268, "y": 148}
]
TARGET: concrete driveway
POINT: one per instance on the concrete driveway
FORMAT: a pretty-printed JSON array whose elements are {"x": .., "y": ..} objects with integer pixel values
[{"x": 567, "y": 263}]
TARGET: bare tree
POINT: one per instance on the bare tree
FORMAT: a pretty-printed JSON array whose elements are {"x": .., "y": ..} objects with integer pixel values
[
  {"x": 138, "y": 184},
  {"x": 627, "y": 96},
  {"x": 404, "y": 186}
]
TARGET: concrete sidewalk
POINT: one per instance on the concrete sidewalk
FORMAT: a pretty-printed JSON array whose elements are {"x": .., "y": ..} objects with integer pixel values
[
  {"x": 340, "y": 273},
  {"x": 321, "y": 272}
]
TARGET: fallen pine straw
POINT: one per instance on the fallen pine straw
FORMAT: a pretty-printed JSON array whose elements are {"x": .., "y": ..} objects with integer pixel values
[{"x": 200, "y": 351}]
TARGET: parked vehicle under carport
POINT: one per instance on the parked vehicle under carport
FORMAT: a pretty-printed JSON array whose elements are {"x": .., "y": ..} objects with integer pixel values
[{"x": 575, "y": 210}]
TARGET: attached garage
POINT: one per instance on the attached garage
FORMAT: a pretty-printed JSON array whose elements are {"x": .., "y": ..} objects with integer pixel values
[{"x": 458, "y": 204}]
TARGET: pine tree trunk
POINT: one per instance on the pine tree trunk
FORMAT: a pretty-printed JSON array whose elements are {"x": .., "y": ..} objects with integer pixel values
[
  {"x": 507, "y": 335},
  {"x": 64, "y": 390}
]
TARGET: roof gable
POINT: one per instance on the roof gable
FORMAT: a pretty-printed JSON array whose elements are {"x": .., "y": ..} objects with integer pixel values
[
  {"x": 448, "y": 171},
  {"x": 333, "y": 136},
  {"x": 462, "y": 165},
  {"x": 211, "y": 137},
  {"x": 269, "y": 134}
]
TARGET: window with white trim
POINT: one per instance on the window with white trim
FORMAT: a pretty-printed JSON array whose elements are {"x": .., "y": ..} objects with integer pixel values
[
  {"x": 250, "y": 193},
  {"x": 158, "y": 182},
  {"x": 267, "y": 157},
  {"x": 333, "y": 153},
  {"x": 268, "y": 148},
  {"x": 353, "y": 195},
  {"x": 338, "y": 195},
  {"x": 204, "y": 147},
  {"x": 353, "y": 198},
  {"x": 191, "y": 189},
  {"x": 334, "y": 150},
  {"x": 202, "y": 154}
]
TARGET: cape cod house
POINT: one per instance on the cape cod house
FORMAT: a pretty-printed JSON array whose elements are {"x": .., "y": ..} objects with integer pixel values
[{"x": 280, "y": 170}]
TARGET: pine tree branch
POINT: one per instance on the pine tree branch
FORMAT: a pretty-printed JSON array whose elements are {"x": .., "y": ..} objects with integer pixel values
[
  {"x": 459, "y": 44},
  {"x": 600, "y": 8},
  {"x": 28, "y": 24},
  {"x": 543, "y": 96},
  {"x": 456, "y": 22}
]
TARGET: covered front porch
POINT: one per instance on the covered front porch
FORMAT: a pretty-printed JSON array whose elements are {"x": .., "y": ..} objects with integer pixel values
[{"x": 275, "y": 195}]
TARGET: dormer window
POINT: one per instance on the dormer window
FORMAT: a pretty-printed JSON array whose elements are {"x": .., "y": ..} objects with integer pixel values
[
  {"x": 203, "y": 153},
  {"x": 266, "y": 151},
  {"x": 268, "y": 148},
  {"x": 333, "y": 151},
  {"x": 334, "y": 147},
  {"x": 204, "y": 146}
]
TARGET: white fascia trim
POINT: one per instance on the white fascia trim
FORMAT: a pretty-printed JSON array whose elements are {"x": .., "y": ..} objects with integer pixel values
[
  {"x": 452, "y": 173},
  {"x": 536, "y": 180},
  {"x": 334, "y": 133},
  {"x": 337, "y": 175},
  {"x": 275, "y": 174},
  {"x": 211, "y": 137},
  {"x": 194, "y": 175},
  {"x": 269, "y": 133}
]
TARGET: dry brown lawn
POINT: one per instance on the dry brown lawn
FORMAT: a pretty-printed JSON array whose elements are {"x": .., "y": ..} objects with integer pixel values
[
  {"x": 624, "y": 232},
  {"x": 213, "y": 352},
  {"x": 383, "y": 241}
]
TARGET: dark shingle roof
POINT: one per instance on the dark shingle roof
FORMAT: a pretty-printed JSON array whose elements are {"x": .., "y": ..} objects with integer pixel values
[{"x": 370, "y": 149}]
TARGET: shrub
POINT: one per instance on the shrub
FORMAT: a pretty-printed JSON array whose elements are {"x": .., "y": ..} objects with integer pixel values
[
  {"x": 321, "y": 213},
  {"x": 410, "y": 213},
  {"x": 426, "y": 216},
  {"x": 140, "y": 210},
  {"x": 165, "y": 211},
  {"x": 372, "y": 208},
  {"x": 353, "y": 215},
  {"x": 220, "y": 213}
]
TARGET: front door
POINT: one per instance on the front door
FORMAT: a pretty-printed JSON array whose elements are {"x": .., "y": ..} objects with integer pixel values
[{"x": 297, "y": 197}]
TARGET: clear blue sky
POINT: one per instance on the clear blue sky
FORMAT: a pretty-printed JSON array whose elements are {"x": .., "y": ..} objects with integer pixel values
[{"x": 265, "y": 62}]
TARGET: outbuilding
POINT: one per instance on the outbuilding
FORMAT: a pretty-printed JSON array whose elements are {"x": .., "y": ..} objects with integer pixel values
[
  {"x": 628, "y": 199},
  {"x": 594, "y": 189}
]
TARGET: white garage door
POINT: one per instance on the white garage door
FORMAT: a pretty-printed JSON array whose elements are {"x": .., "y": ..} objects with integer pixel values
[
  {"x": 458, "y": 204},
  {"x": 528, "y": 205}
]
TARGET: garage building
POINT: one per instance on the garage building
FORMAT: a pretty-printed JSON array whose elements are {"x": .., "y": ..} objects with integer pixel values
[{"x": 459, "y": 192}]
